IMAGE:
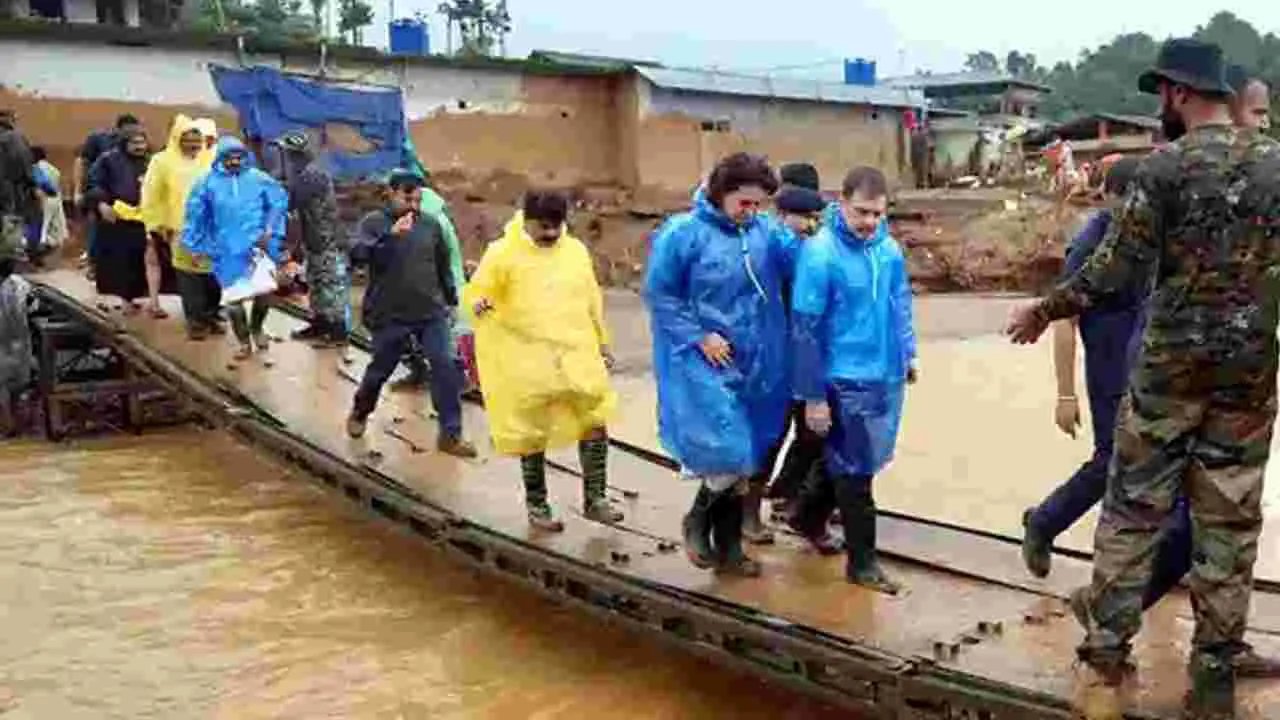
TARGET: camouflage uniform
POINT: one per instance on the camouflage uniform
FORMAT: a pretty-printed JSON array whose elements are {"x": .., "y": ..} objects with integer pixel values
[
  {"x": 1199, "y": 224},
  {"x": 328, "y": 280}
]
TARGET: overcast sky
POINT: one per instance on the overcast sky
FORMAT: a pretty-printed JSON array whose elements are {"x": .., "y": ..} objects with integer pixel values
[{"x": 901, "y": 35}]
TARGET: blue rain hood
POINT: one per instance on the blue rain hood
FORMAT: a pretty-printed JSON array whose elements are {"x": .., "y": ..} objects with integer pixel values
[
  {"x": 851, "y": 310},
  {"x": 227, "y": 213},
  {"x": 707, "y": 274}
]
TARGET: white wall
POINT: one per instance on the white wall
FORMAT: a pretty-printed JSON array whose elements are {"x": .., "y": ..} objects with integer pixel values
[{"x": 173, "y": 76}]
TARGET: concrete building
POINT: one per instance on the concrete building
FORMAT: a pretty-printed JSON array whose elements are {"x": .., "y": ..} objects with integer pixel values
[
  {"x": 112, "y": 12},
  {"x": 563, "y": 120},
  {"x": 989, "y": 94}
]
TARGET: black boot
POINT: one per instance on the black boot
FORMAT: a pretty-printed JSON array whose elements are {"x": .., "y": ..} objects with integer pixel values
[
  {"x": 858, "y": 511},
  {"x": 697, "y": 530},
  {"x": 726, "y": 530},
  {"x": 753, "y": 527},
  {"x": 811, "y": 512},
  {"x": 313, "y": 331}
]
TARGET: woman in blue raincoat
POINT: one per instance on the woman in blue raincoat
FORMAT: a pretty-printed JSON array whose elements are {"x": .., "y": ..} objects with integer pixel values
[
  {"x": 714, "y": 291},
  {"x": 233, "y": 213},
  {"x": 854, "y": 350}
]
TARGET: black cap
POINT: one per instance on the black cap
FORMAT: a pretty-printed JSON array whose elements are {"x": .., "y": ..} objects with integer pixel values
[
  {"x": 802, "y": 174},
  {"x": 800, "y": 200},
  {"x": 1193, "y": 63}
]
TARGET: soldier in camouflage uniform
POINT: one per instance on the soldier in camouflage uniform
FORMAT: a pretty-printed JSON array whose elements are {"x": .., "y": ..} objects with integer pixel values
[
  {"x": 1199, "y": 225},
  {"x": 312, "y": 198}
]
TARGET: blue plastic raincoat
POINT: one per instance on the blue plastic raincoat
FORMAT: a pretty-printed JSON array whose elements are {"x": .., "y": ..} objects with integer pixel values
[
  {"x": 227, "y": 213},
  {"x": 719, "y": 421},
  {"x": 853, "y": 340}
]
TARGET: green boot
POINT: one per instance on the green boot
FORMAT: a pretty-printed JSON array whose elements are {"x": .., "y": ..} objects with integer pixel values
[
  {"x": 533, "y": 470},
  {"x": 593, "y": 455},
  {"x": 1213, "y": 688}
]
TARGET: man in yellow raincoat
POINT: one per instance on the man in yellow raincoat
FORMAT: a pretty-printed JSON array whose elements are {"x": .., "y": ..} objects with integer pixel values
[
  {"x": 170, "y": 176},
  {"x": 543, "y": 353}
]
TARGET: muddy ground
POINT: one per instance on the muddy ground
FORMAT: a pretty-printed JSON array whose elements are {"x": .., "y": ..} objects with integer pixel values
[{"x": 956, "y": 240}]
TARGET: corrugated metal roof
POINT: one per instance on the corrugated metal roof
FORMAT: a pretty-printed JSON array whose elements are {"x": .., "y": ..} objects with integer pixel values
[
  {"x": 603, "y": 62},
  {"x": 962, "y": 80},
  {"x": 703, "y": 81}
]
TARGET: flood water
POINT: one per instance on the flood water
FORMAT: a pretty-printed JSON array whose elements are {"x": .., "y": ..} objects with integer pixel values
[{"x": 184, "y": 575}]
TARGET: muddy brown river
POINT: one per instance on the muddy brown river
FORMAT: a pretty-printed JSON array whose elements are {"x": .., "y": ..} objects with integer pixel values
[{"x": 183, "y": 575}]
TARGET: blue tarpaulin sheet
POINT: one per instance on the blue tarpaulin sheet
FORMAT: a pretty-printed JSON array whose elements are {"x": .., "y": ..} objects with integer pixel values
[{"x": 271, "y": 103}]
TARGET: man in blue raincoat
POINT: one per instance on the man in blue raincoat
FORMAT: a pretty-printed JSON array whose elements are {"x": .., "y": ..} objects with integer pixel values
[
  {"x": 714, "y": 291},
  {"x": 854, "y": 349},
  {"x": 235, "y": 213}
]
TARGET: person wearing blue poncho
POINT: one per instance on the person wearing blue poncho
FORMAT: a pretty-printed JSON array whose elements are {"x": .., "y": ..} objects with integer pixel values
[
  {"x": 234, "y": 212},
  {"x": 854, "y": 349},
  {"x": 714, "y": 291}
]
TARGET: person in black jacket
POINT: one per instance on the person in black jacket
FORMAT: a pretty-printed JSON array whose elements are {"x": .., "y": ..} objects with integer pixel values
[
  {"x": 407, "y": 304},
  {"x": 17, "y": 187},
  {"x": 119, "y": 254}
]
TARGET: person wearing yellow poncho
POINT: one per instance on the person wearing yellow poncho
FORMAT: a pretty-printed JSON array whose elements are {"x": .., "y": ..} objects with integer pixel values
[
  {"x": 543, "y": 353},
  {"x": 170, "y": 176}
]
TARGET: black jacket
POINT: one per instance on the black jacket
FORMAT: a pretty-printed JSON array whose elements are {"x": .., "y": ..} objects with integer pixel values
[
  {"x": 17, "y": 186},
  {"x": 409, "y": 277}
]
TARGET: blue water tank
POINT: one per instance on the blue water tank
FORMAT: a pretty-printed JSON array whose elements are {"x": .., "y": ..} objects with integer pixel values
[
  {"x": 859, "y": 72},
  {"x": 409, "y": 37}
]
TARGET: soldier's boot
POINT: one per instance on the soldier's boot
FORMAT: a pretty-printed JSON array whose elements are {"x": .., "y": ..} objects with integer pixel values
[
  {"x": 1098, "y": 693},
  {"x": 1213, "y": 688},
  {"x": 593, "y": 455},
  {"x": 1099, "y": 680},
  {"x": 726, "y": 529},
  {"x": 697, "y": 530},
  {"x": 416, "y": 379},
  {"x": 312, "y": 331},
  {"x": 1249, "y": 663},
  {"x": 533, "y": 471},
  {"x": 753, "y": 527},
  {"x": 1037, "y": 550}
]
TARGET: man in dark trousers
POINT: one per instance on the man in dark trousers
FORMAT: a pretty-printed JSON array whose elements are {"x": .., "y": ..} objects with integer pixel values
[
  {"x": 408, "y": 300},
  {"x": 1198, "y": 416}
]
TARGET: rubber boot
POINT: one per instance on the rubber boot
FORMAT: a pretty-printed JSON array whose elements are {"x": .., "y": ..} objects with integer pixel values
[
  {"x": 858, "y": 512},
  {"x": 753, "y": 527},
  {"x": 593, "y": 456},
  {"x": 726, "y": 529},
  {"x": 1037, "y": 551},
  {"x": 811, "y": 511},
  {"x": 1213, "y": 688},
  {"x": 697, "y": 530},
  {"x": 533, "y": 473}
]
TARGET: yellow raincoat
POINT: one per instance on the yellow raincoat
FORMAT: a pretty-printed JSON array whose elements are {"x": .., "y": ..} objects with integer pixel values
[
  {"x": 544, "y": 379},
  {"x": 165, "y": 188}
]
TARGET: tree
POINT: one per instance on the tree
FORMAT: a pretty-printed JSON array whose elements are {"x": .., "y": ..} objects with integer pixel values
[
  {"x": 481, "y": 25},
  {"x": 267, "y": 20},
  {"x": 982, "y": 61},
  {"x": 353, "y": 17},
  {"x": 1104, "y": 79},
  {"x": 317, "y": 14}
]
